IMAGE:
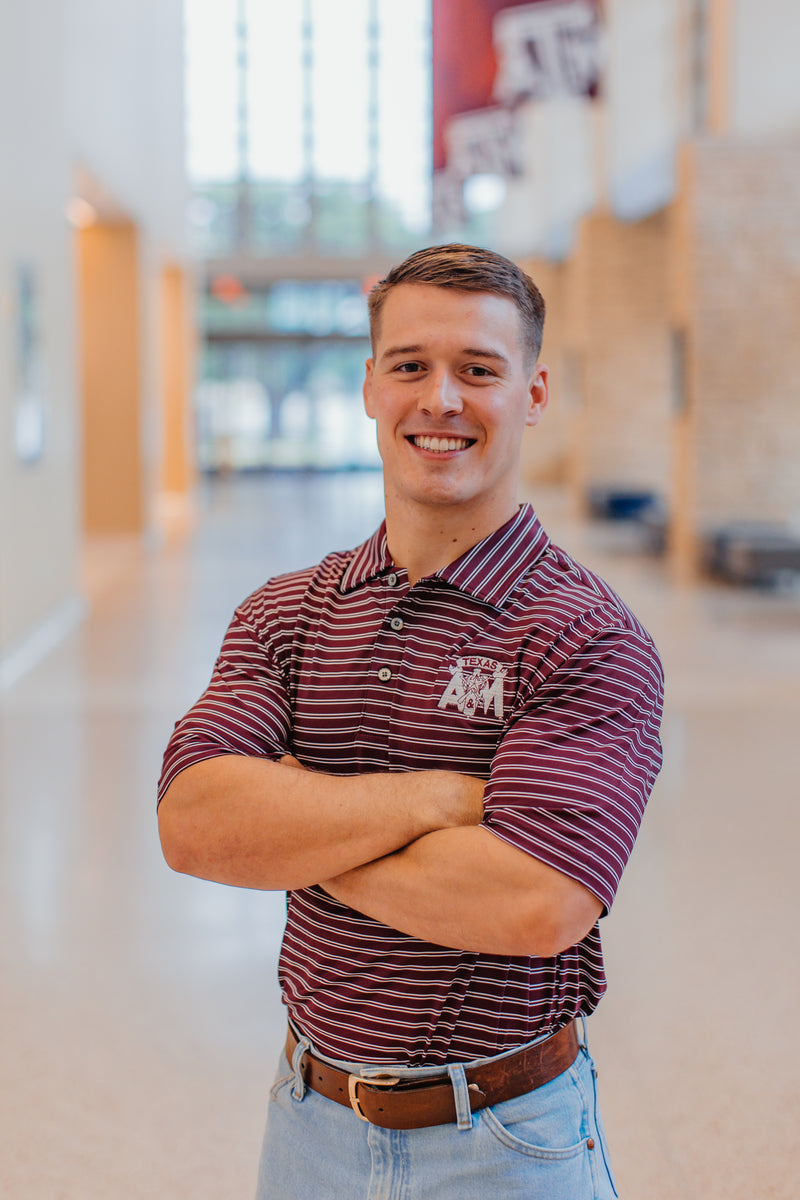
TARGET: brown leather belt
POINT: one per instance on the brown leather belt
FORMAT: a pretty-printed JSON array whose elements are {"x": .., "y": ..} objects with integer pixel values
[{"x": 386, "y": 1100}]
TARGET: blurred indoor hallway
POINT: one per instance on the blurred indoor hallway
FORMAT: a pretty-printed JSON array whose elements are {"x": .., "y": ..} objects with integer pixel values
[{"x": 140, "y": 1012}]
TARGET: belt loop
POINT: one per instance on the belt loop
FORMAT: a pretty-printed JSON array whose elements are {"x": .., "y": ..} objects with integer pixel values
[
  {"x": 299, "y": 1088},
  {"x": 458, "y": 1079}
]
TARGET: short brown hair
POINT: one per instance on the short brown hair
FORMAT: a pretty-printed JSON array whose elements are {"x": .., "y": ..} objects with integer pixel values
[{"x": 466, "y": 269}]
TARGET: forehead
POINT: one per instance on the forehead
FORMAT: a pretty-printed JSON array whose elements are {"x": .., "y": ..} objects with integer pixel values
[{"x": 422, "y": 314}]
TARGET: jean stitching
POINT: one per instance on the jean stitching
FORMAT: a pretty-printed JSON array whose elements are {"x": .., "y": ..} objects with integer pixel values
[
  {"x": 279, "y": 1085},
  {"x": 599, "y": 1136}
]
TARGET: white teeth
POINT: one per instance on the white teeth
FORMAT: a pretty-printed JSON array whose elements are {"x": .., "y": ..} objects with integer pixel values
[{"x": 440, "y": 445}]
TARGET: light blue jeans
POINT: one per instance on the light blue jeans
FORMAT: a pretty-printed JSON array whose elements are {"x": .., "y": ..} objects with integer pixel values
[{"x": 546, "y": 1145}]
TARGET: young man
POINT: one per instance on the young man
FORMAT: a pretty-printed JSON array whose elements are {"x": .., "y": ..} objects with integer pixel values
[{"x": 441, "y": 745}]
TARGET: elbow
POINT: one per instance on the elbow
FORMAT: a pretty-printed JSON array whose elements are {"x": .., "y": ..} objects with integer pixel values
[
  {"x": 187, "y": 828},
  {"x": 195, "y": 842},
  {"x": 176, "y": 845},
  {"x": 176, "y": 859},
  {"x": 184, "y": 833}
]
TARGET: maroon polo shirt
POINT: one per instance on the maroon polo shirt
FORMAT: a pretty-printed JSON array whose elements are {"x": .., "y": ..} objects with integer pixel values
[{"x": 513, "y": 664}]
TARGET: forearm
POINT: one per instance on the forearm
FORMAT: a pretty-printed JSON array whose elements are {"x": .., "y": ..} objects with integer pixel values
[
  {"x": 467, "y": 889},
  {"x": 254, "y": 823}
]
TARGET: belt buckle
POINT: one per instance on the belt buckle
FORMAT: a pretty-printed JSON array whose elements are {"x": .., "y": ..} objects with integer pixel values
[{"x": 375, "y": 1080}]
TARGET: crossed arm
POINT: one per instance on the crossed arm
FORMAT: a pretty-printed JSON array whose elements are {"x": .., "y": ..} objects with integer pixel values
[{"x": 407, "y": 849}]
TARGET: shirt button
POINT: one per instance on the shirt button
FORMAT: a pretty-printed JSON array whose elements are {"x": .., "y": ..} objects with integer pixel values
[
  {"x": 384, "y": 674},
  {"x": 391, "y": 580},
  {"x": 396, "y": 624}
]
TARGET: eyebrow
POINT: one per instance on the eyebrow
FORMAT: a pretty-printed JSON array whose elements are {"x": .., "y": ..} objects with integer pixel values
[
  {"x": 396, "y": 351},
  {"x": 477, "y": 352},
  {"x": 468, "y": 351}
]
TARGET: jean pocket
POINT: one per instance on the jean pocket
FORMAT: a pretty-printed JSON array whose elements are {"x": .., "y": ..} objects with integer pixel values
[
  {"x": 551, "y": 1122},
  {"x": 283, "y": 1076},
  {"x": 520, "y": 1135}
]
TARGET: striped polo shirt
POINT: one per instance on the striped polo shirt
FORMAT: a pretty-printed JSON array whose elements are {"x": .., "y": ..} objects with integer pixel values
[{"x": 513, "y": 664}]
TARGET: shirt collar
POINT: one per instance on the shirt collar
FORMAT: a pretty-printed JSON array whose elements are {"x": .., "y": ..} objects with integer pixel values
[
  {"x": 369, "y": 559},
  {"x": 489, "y": 571}
]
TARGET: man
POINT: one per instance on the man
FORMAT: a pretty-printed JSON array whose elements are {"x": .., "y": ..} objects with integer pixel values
[{"x": 440, "y": 744}]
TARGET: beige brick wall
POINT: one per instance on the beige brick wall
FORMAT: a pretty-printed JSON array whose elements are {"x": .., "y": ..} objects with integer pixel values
[
  {"x": 618, "y": 348},
  {"x": 736, "y": 291}
]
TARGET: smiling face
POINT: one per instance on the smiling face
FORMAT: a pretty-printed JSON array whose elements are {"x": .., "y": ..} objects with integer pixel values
[{"x": 451, "y": 388}]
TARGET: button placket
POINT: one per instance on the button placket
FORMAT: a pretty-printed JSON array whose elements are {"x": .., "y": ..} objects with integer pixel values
[
  {"x": 391, "y": 649},
  {"x": 396, "y": 625},
  {"x": 385, "y": 673}
]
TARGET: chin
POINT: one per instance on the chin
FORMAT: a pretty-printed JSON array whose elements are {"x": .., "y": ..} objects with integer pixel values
[{"x": 441, "y": 497}]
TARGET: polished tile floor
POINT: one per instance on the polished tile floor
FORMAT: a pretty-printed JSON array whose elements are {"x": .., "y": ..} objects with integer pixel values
[{"x": 139, "y": 1013}]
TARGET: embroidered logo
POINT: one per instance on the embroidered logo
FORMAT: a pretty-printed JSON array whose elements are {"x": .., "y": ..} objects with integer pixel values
[{"x": 476, "y": 682}]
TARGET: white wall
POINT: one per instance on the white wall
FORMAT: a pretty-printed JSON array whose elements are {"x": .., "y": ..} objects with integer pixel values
[
  {"x": 93, "y": 85},
  {"x": 642, "y": 100},
  {"x": 764, "y": 71},
  {"x": 124, "y": 100},
  {"x": 37, "y": 500}
]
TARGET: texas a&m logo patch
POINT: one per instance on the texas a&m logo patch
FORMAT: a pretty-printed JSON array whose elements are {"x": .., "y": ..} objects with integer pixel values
[{"x": 475, "y": 683}]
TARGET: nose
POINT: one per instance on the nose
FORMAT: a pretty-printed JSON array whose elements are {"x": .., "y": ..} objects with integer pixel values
[{"x": 440, "y": 396}]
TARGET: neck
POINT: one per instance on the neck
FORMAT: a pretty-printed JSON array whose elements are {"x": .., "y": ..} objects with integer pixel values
[{"x": 428, "y": 540}]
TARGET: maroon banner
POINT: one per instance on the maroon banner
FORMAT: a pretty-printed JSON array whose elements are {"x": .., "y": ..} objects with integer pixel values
[{"x": 481, "y": 58}]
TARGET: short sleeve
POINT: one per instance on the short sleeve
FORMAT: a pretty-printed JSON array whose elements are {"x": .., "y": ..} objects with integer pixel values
[
  {"x": 572, "y": 775},
  {"x": 244, "y": 710}
]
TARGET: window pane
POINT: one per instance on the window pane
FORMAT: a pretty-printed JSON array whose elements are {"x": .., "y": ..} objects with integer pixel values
[
  {"x": 283, "y": 156},
  {"x": 284, "y": 404},
  {"x": 275, "y": 90},
  {"x": 340, "y": 90},
  {"x": 211, "y": 107},
  {"x": 405, "y": 108}
]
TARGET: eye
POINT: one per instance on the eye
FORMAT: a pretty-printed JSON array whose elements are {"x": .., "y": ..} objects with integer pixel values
[
  {"x": 478, "y": 371},
  {"x": 408, "y": 368}
]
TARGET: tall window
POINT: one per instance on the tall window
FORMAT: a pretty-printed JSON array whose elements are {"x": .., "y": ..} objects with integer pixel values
[{"x": 308, "y": 124}]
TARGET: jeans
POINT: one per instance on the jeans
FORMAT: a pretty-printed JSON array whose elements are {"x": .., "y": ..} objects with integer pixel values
[{"x": 547, "y": 1144}]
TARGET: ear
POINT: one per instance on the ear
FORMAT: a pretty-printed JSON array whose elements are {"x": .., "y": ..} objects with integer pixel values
[
  {"x": 539, "y": 392},
  {"x": 368, "y": 401}
]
